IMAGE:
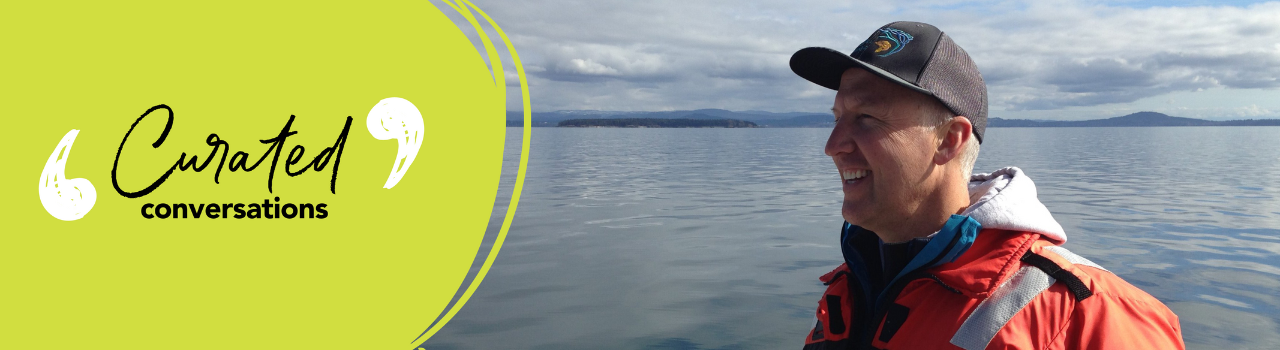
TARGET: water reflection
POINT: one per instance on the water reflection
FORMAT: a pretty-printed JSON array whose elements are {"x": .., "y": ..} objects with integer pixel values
[{"x": 714, "y": 238}]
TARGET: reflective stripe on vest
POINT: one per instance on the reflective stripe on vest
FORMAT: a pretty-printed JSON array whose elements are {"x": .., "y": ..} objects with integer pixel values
[
  {"x": 1072, "y": 257},
  {"x": 1008, "y": 299}
]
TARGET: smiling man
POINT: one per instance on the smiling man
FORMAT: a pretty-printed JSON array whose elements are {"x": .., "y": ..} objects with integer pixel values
[{"x": 938, "y": 258}]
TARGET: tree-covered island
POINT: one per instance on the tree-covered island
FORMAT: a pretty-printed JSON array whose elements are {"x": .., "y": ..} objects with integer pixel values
[{"x": 656, "y": 123}]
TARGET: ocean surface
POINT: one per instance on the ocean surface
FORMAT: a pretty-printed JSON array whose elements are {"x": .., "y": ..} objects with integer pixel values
[{"x": 714, "y": 238}]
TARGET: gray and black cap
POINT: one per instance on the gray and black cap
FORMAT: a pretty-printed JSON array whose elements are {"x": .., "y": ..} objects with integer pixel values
[{"x": 915, "y": 55}]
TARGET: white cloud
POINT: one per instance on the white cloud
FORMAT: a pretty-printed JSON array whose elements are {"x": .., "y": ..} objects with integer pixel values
[{"x": 1057, "y": 55}]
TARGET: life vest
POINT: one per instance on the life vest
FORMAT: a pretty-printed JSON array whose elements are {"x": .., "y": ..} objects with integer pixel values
[{"x": 1004, "y": 290}]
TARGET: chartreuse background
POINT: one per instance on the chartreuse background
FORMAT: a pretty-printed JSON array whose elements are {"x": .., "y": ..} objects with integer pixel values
[{"x": 373, "y": 275}]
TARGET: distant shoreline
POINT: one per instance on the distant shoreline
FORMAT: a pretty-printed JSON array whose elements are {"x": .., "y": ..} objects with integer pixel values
[
  {"x": 1140, "y": 119},
  {"x": 728, "y": 119},
  {"x": 1120, "y": 126},
  {"x": 655, "y": 123}
]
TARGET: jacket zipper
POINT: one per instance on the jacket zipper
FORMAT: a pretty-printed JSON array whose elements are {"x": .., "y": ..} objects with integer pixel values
[
  {"x": 890, "y": 294},
  {"x": 867, "y": 330}
]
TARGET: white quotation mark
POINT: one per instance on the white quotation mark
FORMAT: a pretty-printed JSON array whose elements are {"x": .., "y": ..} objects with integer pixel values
[
  {"x": 65, "y": 199},
  {"x": 397, "y": 118}
]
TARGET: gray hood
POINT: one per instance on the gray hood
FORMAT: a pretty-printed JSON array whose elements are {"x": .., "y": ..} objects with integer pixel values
[{"x": 1006, "y": 199}]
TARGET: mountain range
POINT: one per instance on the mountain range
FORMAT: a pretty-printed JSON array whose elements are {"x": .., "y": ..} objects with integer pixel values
[
  {"x": 816, "y": 120},
  {"x": 1131, "y": 120},
  {"x": 760, "y": 118}
]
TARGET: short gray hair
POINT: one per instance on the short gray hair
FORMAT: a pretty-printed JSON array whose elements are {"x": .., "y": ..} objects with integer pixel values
[
  {"x": 969, "y": 157},
  {"x": 969, "y": 154}
]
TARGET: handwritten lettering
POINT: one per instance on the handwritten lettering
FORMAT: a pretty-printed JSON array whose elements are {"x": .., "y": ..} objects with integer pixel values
[{"x": 239, "y": 160}]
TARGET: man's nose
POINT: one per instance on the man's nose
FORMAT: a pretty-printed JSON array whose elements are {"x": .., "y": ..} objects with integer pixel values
[{"x": 838, "y": 143}]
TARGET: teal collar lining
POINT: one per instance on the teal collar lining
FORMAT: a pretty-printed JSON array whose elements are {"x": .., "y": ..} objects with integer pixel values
[{"x": 955, "y": 237}]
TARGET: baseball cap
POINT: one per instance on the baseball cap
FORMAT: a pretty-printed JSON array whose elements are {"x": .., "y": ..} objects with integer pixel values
[{"x": 916, "y": 55}]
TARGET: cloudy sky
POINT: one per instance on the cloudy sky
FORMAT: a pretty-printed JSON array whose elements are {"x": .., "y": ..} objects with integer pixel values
[{"x": 1048, "y": 59}]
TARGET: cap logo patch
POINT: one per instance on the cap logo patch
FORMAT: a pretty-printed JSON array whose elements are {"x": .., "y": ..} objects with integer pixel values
[{"x": 891, "y": 41}]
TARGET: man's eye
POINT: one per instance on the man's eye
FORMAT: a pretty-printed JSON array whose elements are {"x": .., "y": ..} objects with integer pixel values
[{"x": 858, "y": 117}]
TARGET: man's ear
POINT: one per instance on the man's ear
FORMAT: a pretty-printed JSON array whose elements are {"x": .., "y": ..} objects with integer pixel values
[{"x": 955, "y": 133}]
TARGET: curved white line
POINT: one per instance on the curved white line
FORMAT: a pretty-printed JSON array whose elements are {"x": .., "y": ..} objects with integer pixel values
[
  {"x": 65, "y": 199},
  {"x": 397, "y": 118}
]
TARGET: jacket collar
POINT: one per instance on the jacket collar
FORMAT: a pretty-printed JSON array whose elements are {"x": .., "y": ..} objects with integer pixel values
[
  {"x": 993, "y": 257},
  {"x": 955, "y": 237},
  {"x": 970, "y": 259}
]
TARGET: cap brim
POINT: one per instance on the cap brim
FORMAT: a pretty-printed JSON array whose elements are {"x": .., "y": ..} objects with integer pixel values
[{"x": 824, "y": 67}]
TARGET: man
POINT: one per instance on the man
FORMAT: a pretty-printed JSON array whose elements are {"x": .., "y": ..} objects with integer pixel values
[{"x": 936, "y": 258}]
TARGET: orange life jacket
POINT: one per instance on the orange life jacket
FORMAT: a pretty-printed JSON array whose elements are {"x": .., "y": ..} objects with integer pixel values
[{"x": 1008, "y": 290}]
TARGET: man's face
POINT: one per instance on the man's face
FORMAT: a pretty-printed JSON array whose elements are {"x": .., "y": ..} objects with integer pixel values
[{"x": 883, "y": 145}]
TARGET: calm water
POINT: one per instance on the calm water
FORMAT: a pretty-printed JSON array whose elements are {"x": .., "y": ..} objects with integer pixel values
[{"x": 714, "y": 238}]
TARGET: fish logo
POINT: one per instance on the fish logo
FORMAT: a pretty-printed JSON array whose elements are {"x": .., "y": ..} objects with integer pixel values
[
  {"x": 891, "y": 41},
  {"x": 882, "y": 46}
]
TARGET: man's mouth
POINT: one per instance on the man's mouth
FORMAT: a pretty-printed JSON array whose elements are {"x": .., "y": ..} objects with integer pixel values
[{"x": 850, "y": 176}]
